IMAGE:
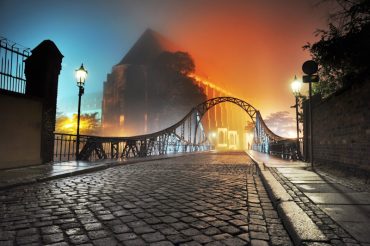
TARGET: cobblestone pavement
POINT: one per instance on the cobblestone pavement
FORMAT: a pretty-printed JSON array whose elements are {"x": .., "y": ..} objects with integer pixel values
[
  {"x": 201, "y": 199},
  {"x": 334, "y": 232}
]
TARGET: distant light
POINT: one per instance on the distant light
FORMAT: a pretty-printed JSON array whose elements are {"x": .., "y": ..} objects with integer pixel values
[
  {"x": 212, "y": 135},
  {"x": 292, "y": 134},
  {"x": 68, "y": 125},
  {"x": 81, "y": 75},
  {"x": 296, "y": 86},
  {"x": 121, "y": 120}
]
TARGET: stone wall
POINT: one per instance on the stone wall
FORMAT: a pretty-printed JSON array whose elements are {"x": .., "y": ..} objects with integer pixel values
[
  {"x": 20, "y": 131},
  {"x": 341, "y": 129},
  {"x": 27, "y": 121}
]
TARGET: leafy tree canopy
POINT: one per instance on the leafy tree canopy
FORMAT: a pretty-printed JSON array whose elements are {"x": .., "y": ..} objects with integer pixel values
[
  {"x": 180, "y": 62},
  {"x": 171, "y": 91},
  {"x": 343, "y": 50}
]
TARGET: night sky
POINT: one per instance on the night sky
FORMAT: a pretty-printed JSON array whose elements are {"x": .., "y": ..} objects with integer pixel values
[{"x": 251, "y": 48}]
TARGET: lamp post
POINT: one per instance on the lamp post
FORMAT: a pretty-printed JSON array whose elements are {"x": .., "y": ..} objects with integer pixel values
[
  {"x": 81, "y": 75},
  {"x": 310, "y": 68},
  {"x": 296, "y": 86}
]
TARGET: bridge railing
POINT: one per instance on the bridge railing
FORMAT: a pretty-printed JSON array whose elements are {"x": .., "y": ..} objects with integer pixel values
[
  {"x": 187, "y": 135},
  {"x": 285, "y": 149},
  {"x": 94, "y": 148},
  {"x": 65, "y": 146},
  {"x": 270, "y": 143}
]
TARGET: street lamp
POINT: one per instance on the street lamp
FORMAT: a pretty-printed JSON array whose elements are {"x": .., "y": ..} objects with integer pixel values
[
  {"x": 81, "y": 75},
  {"x": 310, "y": 68},
  {"x": 296, "y": 86}
]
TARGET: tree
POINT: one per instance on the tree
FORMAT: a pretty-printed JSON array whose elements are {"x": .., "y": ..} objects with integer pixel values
[
  {"x": 89, "y": 124},
  {"x": 343, "y": 50},
  {"x": 178, "y": 62},
  {"x": 172, "y": 93}
]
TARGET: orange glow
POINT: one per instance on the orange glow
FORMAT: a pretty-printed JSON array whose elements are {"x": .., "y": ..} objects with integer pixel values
[
  {"x": 121, "y": 120},
  {"x": 88, "y": 125},
  {"x": 249, "y": 49},
  {"x": 206, "y": 83}
]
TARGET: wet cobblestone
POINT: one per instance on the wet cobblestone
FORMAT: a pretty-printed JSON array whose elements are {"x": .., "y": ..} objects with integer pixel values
[{"x": 201, "y": 199}]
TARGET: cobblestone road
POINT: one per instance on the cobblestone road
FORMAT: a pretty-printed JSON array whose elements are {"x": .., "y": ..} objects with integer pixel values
[{"x": 201, "y": 199}]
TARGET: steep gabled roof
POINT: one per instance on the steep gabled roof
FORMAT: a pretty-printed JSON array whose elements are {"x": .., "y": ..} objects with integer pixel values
[{"x": 147, "y": 48}]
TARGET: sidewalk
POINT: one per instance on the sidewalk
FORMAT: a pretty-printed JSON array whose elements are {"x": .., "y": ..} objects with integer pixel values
[
  {"x": 331, "y": 212},
  {"x": 39, "y": 173}
]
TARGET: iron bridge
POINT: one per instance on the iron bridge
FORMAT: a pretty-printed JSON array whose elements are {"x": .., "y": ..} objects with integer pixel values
[{"x": 187, "y": 135}]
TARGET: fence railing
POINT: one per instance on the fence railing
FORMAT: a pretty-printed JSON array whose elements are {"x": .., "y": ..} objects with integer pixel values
[
  {"x": 285, "y": 149},
  {"x": 94, "y": 148},
  {"x": 12, "y": 56},
  {"x": 65, "y": 147}
]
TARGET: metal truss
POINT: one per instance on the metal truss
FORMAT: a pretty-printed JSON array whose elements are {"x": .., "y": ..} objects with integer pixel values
[
  {"x": 264, "y": 139},
  {"x": 187, "y": 135},
  {"x": 205, "y": 106},
  {"x": 181, "y": 137}
]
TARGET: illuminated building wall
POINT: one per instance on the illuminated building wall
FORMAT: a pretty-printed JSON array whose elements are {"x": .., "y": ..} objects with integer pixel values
[{"x": 226, "y": 123}]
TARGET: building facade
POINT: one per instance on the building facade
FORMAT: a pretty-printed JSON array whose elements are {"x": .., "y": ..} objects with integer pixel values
[{"x": 129, "y": 104}]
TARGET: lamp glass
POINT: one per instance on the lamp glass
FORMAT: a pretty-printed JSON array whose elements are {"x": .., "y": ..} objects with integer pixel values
[
  {"x": 296, "y": 86},
  {"x": 81, "y": 75}
]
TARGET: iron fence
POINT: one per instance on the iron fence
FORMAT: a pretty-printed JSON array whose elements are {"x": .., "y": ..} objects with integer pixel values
[
  {"x": 285, "y": 149},
  {"x": 12, "y": 56},
  {"x": 65, "y": 146},
  {"x": 92, "y": 148}
]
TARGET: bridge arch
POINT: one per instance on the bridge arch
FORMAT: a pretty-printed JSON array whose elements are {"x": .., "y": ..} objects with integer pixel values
[
  {"x": 203, "y": 107},
  {"x": 180, "y": 137},
  {"x": 261, "y": 128}
]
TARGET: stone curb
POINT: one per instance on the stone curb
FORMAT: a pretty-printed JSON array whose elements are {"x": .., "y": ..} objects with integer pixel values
[
  {"x": 95, "y": 168},
  {"x": 299, "y": 225}
]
